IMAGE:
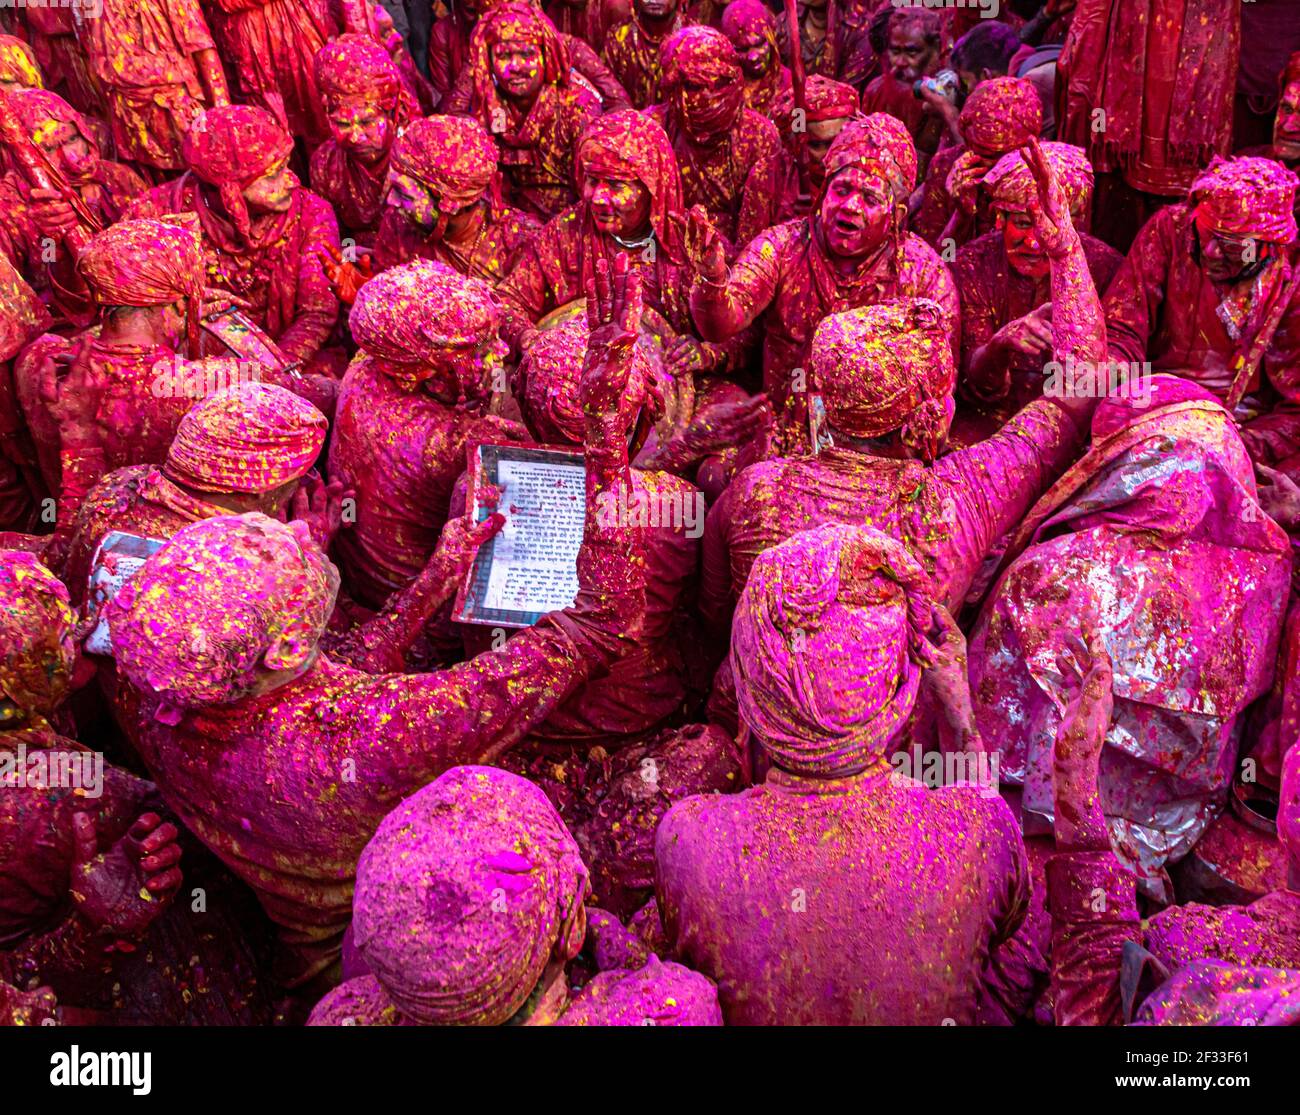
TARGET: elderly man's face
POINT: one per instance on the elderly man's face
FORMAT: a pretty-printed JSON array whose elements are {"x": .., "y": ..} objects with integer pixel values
[
  {"x": 618, "y": 206},
  {"x": 1286, "y": 128},
  {"x": 273, "y": 192},
  {"x": 753, "y": 52},
  {"x": 366, "y": 130},
  {"x": 413, "y": 200},
  {"x": 67, "y": 149},
  {"x": 1226, "y": 258},
  {"x": 907, "y": 53},
  {"x": 856, "y": 213}
]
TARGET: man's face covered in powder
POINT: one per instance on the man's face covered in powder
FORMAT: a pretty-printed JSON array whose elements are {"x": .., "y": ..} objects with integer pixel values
[
  {"x": 1286, "y": 128},
  {"x": 1227, "y": 258},
  {"x": 273, "y": 191},
  {"x": 517, "y": 68},
  {"x": 421, "y": 207},
  {"x": 1024, "y": 253},
  {"x": 618, "y": 206},
  {"x": 908, "y": 54},
  {"x": 856, "y": 213},
  {"x": 655, "y": 9},
  {"x": 753, "y": 52},
  {"x": 821, "y": 134},
  {"x": 67, "y": 149},
  {"x": 469, "y": 370},
  {"x": 366, "y": 130}
]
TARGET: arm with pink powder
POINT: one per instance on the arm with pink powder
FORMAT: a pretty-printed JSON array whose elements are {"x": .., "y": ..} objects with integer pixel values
[
  {"x": 317, "y": 306},
  {"x": 725, "y": 301}
]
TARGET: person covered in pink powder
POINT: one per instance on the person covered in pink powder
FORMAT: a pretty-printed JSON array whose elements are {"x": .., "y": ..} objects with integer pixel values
[
  {"x": 469, "y": 908},
  {"x": 836, "y": 892},
  {"x": 284, "y": 762}
]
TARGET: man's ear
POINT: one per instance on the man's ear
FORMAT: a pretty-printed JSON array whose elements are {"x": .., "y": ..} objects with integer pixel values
[{"x": 293, "y": 647}]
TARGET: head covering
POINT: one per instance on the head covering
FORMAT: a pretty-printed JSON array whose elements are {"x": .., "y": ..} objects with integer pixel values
[
  {"x": 452, "y": 156},
  {"x": 196, "y": 621},
  {"x": 749, "y": 15},
  {"x": 513, "y": 21},
  {"x": 1247, "y": 197},
  {"x": 18, "y": 63},
  {"x": 1012, "y": 188},
  {"x": 230, "y": 148},
  {"x": 354, "y": 69},
  {"x": 827, "y": 645},
  {"x": 35, "y": 615},
  {"x": 412, "y": 314},
  {"x": 252, "y": 437},
  {"x": 143, "y": 263},
  {"x": 880, "y": 145},
  {"x": 464, "y": 893},
  {"x": 662, "y": 993},
  {"x": 826, "y": 100},
  {"x": 702, "y": 55},
  {"x": 36, "y": 107},
  {"x": 552, "y": 376},
  {"x": 876, "y": 365},
  {"x": 628, "y": 144},
  {"x": 1002, "y": 114}
]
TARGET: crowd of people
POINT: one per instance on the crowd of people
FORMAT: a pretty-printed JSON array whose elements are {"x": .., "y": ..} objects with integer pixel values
[{"x": 939, "y": 659}]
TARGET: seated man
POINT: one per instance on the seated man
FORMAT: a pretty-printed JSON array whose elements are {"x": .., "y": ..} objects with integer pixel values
[
  {"x": 1003, "y": 278},
  {"x": 730, "y": 157},
  {"x": 852, "y": 250},
  {"x": 750, "y": 27},
  {"x": 1204, "y": 294},
  {"x": 836, "y": 892},
  {"x": 367, "y": 107},
  {"x": 440, "y": 944},
  {"x": 443, "y": 202},
  {"x": 526, "y": 99},
  {"x": 634, "y": 46},
  {"x": 264, "y": 235}
]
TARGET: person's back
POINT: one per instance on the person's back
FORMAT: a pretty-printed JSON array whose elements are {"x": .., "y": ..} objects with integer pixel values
[{"x": 860, "y": 901}]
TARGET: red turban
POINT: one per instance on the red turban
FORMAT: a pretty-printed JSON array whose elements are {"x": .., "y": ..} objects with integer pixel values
[
  {"x": 451, "y": 155},
  {"x": 1002, "y": 115},
  {"x": 704, "y": 56},
  {"x": 513, "y": 21},
  {"x": 356, "y": 69},
  {"x": 876, "y": 365},
  {"x": 18, "y": 63},
  {"x": 882, "y": 146},
  {"x": 1247, "y": 197},
  {"x": 254, "y": 437},
  {"x": 143, "y": 263},
  {"x": 231, "y": 147},
  {"x": 463, "y": 895},
  {"x": 749, "y": 15},
  {"x": 1012, "y": 187},
  {"x": 827, "y": 646},
  {"x": 826, "y": 100},
  {"x": 194, "y": 624},
  {"x": 627, "y": 144},
  {"x": 36, "y": 618},
  {"x": 413, "y": 314}
]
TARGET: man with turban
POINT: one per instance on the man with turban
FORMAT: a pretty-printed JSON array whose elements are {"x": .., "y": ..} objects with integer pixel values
[
  {"x": 42, "y": 228},
  {"x": 750, "y": 27},
  {"x": 999, "y": 117},
  {"x": 367, "y": 107},
  {"x": 443, "y": 202},
  {"x": 264, "y": 235},
  {"x": 634, "y": 48},
  {"x": 525, "y": 97},
  {"x": 852, "y": 250},
  {"x": 284, "y": 762},
  {"x": 1207, "y": 293},
  {"x": 158, "y": 67},
  {"x": 1146, "y": 88},
  {"x": 630, "y": 207},
  {"x": 885, "y": 375},
  {"x": 1286, "y": 124},
  {"x": 468, "y": 910},
  {"x": 837, "y": 892},
  {"x": 271, "y": 45},
  {"x": 1003, "y": 278},
  {"x": 410, "y": 403},
  {"x": 828, "y": 106},
  {"x": 89, "y": 865},
  {"x": 729, "y": 156}
]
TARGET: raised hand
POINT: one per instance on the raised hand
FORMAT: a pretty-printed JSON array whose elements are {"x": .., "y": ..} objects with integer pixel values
[
  {"x": 1052, "y": 224},
  {"x": 1279, "y": 497},
  {"x": 121, "y": 891},
  {"x": 52, "y": 213},
  {"x": 614, "y": 319},
  {"x": 705, "y": 251},
  {"x": 968, "y": 170},
  {"x": 1080, "y": 823},
  {"x": 347, "y": 279},
  {"x": 461, "y": 538},
  {"x": 320, "y": 506}
]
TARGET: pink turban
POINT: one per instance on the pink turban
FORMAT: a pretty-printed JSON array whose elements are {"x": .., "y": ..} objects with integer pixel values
[
  {"x": 463, "y": 895},
  {"x": 413, "y": 314},
  {"x": 453, "y": 156},
  {"x": 552, "y": 376},
  {"x": 876, "y": 365},
  {"x": 195, "y": 623},
  {"x": 827, "y": 645},
  {"x": 143, "y": 263},
  {"x": 18, "y": 63},
  {"x": 356, "y": 69},
  {"x": 826, "y": 100},
  {"x": 749, "y": 15},
  {"x": 36, "y": 107},
  {"x": 659, "y": 994},
  {"x": 231, "y": 147},
  {"x": 1002, "y": 114},
  {"x": 880, "y": 145},
  {"x": 1247, "y": 197},
  {"x": 252, "y": 437},
  {"x": 35, "y": 616},
  {"x": 1012, "y": 188}
]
